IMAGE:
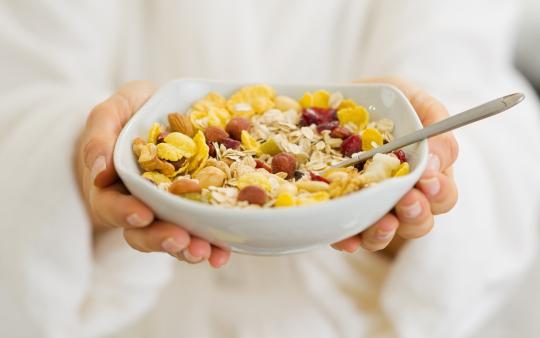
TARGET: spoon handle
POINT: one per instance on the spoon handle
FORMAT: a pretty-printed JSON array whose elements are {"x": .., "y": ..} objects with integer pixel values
[{"x": 469, "y": 116}]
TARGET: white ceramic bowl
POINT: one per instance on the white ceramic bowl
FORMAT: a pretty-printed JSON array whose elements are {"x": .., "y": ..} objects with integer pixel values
[{"x": 280, "y": 230}]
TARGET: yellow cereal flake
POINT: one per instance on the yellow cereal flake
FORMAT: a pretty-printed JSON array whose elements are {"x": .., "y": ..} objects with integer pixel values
[
  {"x": 168, "y": 152},
  {"x": 320, "y": 99},
  {"x": 306, "y": 101},
  {"x": 255, "y": 178},
  {"x": 198, "y": 161},
  {"x": 185, "y": 145},
  {"x": 285, "y": 199},
  {"x": 313, "y": 198},
  {"x": 209, "y": 111},
  {"x": 270, "y": 147},
  {"x": 402, "y": 170},
  {"x": 156, "y": 177},
  {"x": 249, "y": 142},
  {"x": 371, "y": 136},
  {"x": 154, "y": 132},
  {"x": 251, "y": 100},
  {"x": 347, "y": 103},
  {"x": 357, "y": 116}
]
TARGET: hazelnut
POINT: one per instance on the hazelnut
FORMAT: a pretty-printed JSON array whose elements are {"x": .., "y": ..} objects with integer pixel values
[
  {"x": 236, "y": 125},
  {"x": 210, "y": 176},
  {"x": 215, "y": 134},
  {"x": 284, "y": 162},
  {"x": 184, "y": 185},
  {"x": 253, "y": 195}
]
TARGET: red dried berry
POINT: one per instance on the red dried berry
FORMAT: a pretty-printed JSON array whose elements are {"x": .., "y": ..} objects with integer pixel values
[
  {"x": 351, "y": 145},
  {"x": 178, "y": 164},
  {"x": 229, "y": 143},
  {"x": 284, "y": 162},
  {"x": 327, "y": 126},
  {"x": 326, "y": 114},
  {"x": 309, "y": 117},
  {"x": 340, "y": 132},
  {"x": 253, "y": 195},
  {"x": 317, "y": 116},
  {"x": 161, "y": 137},
  {"x": 315, "y": 177},
  {"x": 400, "y": 154},
  {"x": 211, "y": 149},
  {"x": 261, "y": 164}
]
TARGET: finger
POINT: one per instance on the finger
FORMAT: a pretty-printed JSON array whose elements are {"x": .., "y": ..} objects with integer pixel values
[
  {"x": 158, "y": 237},
  {"x": 116, "y": 209},
  {"x": 218, "y": 257},
  {"x": 103, "y": 126},
  {"x": 440, "y": 190},
  {"x": 414, "y": 215},
  {"x": 197, "y": 251},
  {"x": 349, "y": 245},
  {"x": 379, "y": 235}
]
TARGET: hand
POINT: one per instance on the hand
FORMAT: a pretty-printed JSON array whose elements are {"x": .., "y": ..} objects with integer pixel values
[
  {"x": 434, "y": 194},
  {"x": 109, "y": 203}
]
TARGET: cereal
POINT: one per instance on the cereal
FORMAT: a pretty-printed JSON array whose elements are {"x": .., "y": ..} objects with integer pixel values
[{"x": 259, "y": 150}]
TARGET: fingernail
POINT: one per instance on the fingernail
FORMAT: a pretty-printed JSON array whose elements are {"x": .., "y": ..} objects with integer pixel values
[
  {"x": 100, "y": 164},
  {"x": 434, "y": 163},
  {"x": 171, "y": 246},
  {"x": 384, "y": 235},
  {"x": 432, "y": 186},
  {"x": 136, "y": 221},
  {"x": 189, "y": 257},
  {"x": 412, "y": 211}
]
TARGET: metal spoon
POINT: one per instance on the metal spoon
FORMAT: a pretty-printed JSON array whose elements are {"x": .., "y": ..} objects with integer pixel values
[{"x": 469, "y": 116}]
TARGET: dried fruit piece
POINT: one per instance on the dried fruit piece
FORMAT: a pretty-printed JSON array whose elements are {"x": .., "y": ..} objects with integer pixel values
[
  {"x": 156, "y": 177},
  {"x": 154, "y": 132},
  {"x": 351, "y": 145},
  {"x": 401, "y": 155},
  {"x": 161, "y": 137},
  {"x": 236, "y": 126},
  {"x": 215, "y": 134},
  {"x": 320, "y": 99},
  {"x": 184, "y": 185},
  {"x": 261, "y": 164},
  {"x": 347, "y": 103},
  {"x": 402, "y": 170},
  {"x": 255, "y": 178},
  {"x": 270, "y": 147},
  {"x": 315, "y": 177},
  {"x": 357, "y": 116},
  {"x": 340, "y": 132},
  {"x": 371, "y": 138},
  {"x": 249, "y": 142},
  {"x": 285, "y": 103},
  {"x": 306, "y": 101},
  {"x": 285, "y": 199},
  {"x": 229, "y": 143},
  {"x": 210, "y": 177},
  {"x": 327, "y": 126},
  {"x": 253, "y": 195},
  {"x": 180, "y": 123},
  {"x": 185, "y": 145},
  {"x": 317, "y": 116},
  {"x": 284, "y": 162}
]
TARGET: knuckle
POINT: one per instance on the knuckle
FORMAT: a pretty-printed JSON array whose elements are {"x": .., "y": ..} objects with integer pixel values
[{"x": 129, "y": 237}]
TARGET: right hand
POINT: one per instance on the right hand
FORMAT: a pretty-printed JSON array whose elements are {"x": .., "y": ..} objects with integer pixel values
[{"x": 109, "y": 203}]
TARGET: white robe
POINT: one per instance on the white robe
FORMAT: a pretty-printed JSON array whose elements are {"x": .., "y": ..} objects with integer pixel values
[{"x": 59, "y": 58}]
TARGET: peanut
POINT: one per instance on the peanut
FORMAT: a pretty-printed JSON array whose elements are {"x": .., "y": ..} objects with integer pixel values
[
  {"x": 284, "y": 162},
  {"x": 184, "y": 185},
  {"x": 210, "y": 176},
  {"x": 253, "y": 195}
]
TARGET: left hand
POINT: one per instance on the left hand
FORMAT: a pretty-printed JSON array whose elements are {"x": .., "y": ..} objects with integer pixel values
[{"x": 435, "y": 193}]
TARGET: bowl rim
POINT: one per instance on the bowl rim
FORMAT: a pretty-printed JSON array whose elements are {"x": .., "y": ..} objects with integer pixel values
[{"x": 285, "y": 211}]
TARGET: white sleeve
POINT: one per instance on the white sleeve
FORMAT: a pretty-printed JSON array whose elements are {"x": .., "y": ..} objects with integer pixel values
[
  {"x": 447, "y": 283},
  {"x": 55, "y": 281}
]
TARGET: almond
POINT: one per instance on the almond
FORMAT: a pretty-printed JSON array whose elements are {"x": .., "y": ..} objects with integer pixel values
[
  {"x": 253, "y": 195},
  {"x": 184, "y": 185},
  {"x": 181, "y": 123},
  {"x": 215, "y": 134}
]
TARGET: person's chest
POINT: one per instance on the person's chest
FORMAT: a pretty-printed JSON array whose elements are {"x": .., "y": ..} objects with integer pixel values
[{"x": 274, "y": 41}]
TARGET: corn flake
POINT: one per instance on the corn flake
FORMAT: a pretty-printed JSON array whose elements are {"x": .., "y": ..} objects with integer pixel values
[
  {"x": 357, "y": 116},
  {"x": 371, "y": 136}
]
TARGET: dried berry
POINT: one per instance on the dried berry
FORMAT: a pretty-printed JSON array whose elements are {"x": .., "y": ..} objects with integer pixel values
[
  {"x": 351, "y": 145},
  {"x": 253, "y": 195},
  {"x": 317, "y": 116},
  {"x": 211, "y": 149},
  {"x": 400, "y": 154},
  {"x": 261, "y": 164},
  {"x": 230, "y": 143},
  {"x": 184, "y": 185},
  {"x": 236, "y": 125},
  {"x": 298, "y": 174},
  {"x": 284, "y": 162},
  {"x": 215, "y": 134},
  {"x": 178, "y": 164},
  {"x": 315, "y": 177},
  {"x": 327, "y": 126},
  {"x": 340, "y": 132},
  {"x": 161, "y": 137}
]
